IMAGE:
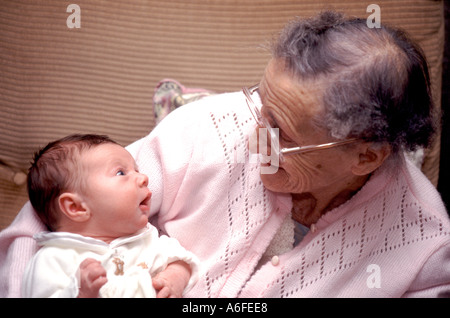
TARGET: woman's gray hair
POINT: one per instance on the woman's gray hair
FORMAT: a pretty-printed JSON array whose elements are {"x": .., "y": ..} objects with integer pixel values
[{"x": 375, "y": 80}]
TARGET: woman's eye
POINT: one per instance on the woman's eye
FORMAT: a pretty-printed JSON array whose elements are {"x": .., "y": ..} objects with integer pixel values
[
  {"x": 282, "y": 134},
  {"x": 274, "y": 124},
  {"x": 284, "y": 137}
]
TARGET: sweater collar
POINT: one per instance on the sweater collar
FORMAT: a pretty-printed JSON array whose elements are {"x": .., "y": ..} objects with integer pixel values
[
  {"x": 67, "y": 239},
  {"x": 374, "y": 185}
]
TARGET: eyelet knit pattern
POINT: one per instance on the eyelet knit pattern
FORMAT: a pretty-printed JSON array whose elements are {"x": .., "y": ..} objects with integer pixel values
[
  {"x": 396, "y": 223},
  {"x": 391, "y": 239}
]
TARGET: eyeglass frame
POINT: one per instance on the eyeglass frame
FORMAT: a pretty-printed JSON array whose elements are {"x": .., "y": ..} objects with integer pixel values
[{"x": 261, "y": 121}]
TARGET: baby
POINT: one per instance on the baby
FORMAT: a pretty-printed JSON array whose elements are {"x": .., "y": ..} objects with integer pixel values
[{"x": 88, "y": 191}]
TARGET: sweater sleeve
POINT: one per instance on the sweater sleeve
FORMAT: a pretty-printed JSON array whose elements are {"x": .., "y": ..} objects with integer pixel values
[
  {"x": 169, "y": 251},
  {"x": 17, "y": 246},
  {"x": 434, "y": 278}
]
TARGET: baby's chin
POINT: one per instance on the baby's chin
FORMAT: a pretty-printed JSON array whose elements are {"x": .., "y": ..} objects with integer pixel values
[
  {"x": 139, "y": 226},
  {"x": 143, "y": 223}
]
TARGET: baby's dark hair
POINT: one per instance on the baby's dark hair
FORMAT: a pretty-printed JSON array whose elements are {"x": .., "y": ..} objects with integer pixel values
[{"x": 55, "y": 169}]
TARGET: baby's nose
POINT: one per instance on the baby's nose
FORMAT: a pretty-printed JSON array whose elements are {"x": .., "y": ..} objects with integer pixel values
[{"x": 143, "y": 179}]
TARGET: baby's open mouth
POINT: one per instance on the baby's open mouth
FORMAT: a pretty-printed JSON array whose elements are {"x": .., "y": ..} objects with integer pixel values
[{"x": 146, "y": 202}]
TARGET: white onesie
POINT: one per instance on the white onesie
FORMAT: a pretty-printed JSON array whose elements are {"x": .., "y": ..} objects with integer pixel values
[{"x": 54, "y": 270}]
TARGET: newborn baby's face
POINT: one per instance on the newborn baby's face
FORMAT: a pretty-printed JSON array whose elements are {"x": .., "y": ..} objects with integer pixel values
[{"x": 117, "y": 195}]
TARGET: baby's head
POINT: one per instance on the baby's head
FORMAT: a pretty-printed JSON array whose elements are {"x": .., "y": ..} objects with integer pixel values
[
  {"x": 88, "y": 183},
  {"x": 55, "y": 169}
]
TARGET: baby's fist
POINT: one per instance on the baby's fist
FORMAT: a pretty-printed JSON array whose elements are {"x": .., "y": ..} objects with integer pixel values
[{"x": 92, "y": 278}]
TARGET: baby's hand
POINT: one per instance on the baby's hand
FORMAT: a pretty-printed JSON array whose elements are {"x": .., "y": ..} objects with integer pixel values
[
  {"x": 171, "y": 282},
  {"x": 92, "y": 278}
]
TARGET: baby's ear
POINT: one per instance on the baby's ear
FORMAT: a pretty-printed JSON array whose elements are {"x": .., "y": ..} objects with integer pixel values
[{"x": 73, "y": 207}]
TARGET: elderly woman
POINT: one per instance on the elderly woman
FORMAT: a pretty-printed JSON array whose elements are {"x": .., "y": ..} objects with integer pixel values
[{"x": 334, "y": 209}]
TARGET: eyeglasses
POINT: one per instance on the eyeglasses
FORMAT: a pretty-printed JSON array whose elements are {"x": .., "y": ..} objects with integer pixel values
[{"x": 262, "y": 122}]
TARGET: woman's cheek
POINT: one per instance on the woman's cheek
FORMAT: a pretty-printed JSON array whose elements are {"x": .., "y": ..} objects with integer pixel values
[{"x": 295, "y": 176}]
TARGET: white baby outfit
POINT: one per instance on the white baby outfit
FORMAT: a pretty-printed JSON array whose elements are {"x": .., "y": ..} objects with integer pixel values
[{"x": 54, "y": 270}]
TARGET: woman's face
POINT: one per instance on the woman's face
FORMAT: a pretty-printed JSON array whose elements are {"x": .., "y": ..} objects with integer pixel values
[{"x": 294, "y": 108}]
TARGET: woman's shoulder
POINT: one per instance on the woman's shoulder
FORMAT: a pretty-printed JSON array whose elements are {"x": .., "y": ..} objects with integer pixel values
[
  {"x": 423, "y": 192},
  {"x": 194, "y": 113},
  {"x": 205, "y": 124}
]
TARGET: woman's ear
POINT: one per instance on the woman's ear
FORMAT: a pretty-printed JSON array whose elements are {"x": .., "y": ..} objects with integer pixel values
[
  {"x": 73, "y": 207},
  {"x": 370, "y": 158}
]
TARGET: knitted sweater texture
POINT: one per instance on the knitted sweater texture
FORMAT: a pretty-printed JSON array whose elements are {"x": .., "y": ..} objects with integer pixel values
[{"x": 391, "y": 239}]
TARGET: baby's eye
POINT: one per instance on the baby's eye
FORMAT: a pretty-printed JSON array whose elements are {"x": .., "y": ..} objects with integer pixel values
[{"x": 120, "y": 173}]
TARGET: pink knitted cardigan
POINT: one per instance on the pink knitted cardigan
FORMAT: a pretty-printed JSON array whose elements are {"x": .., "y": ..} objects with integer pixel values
[{"x": 391, "y": 239}]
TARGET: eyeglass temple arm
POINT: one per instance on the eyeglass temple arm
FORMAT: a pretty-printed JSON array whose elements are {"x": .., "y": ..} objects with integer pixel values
[{"x": 295, "y": 150}]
